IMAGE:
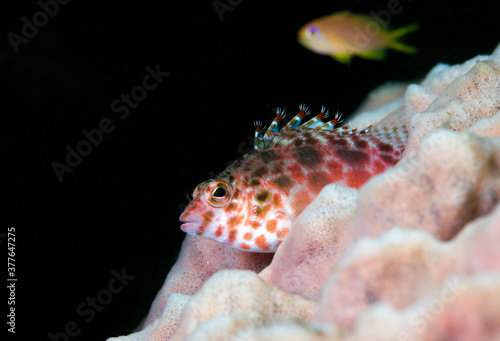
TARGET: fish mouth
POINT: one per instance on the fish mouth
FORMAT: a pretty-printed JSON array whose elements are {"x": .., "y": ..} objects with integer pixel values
[
  {"x": 191, "y": 228},
  {"x": 191, "y": 224}
]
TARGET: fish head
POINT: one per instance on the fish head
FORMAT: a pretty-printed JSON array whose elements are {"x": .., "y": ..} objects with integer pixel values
[
  {"x": 313, "y": 37},
  {"x": 244, "y": 216}
]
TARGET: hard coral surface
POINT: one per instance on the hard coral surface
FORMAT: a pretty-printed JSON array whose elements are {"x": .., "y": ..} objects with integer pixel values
[
  {"x": 199, "y": 259},
  {"x": 412, "y": 255},
  {"x": 401, "y": 266},
  {"x": 318, "y": 239}
]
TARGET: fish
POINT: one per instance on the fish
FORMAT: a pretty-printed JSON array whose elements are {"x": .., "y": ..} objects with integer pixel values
[
  {"x": 343, "y": 35},
  {"x": 252, "y": 204}
]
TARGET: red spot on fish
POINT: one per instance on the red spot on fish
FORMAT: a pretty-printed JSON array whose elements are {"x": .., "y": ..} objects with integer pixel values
[
  {"x": 357, "y": 178},
  {"x": 277, "y": 201},
  {"x": 308, "y": 156},
  {"x": 261, "y": 243},
  {"x": 219, "y": 231},
  {"x": 296, "y": 172},
  {"x": 232, "y": 235},
  {"x": 231, "y": 206},
  {"x": 282, "y": 233},
  {"x": 283, "y": 182},
  {"x": 379, "y": 167},
  {"x": 336, "y": 170},
  {"x": 385, "y": 147},
  {"x": 236, "y": 193},
  {"x": 260, "y": 172},
  {"x": 318, "y": 180},
  {"x": 335, "y": 141},
  {"x": 268, "y": 156},
  {"x": 255, "y": 182},
  {"x": 261, "y": 211},
  {"x": 207, "y": 218},
  {"x": 359, "y": 143},
  {"x": 271, "y": 225},
  {"x": 237, "y": 163},
  {"x": 389, "y": 159},
  {"x": 353, "y": 157},
  {"x": 278, "y": 169},
  {"x": 254, "y": 224},
  {"x": 248, "y": 236},
  {"x": 234, "y": 221},
  {"x": 245, "y": 246}
]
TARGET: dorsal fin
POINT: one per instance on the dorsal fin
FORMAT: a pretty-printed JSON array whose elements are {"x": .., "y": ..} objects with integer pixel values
[
  {"x": 274, "y": 137},
  {"x": 392, "y": 129}
]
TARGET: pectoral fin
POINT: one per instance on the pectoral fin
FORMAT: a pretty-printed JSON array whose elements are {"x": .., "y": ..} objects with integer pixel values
[{"x": 342, "y": 57}]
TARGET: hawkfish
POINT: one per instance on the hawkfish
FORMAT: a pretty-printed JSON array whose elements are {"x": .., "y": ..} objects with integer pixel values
[
  {"x": 344, "y": 34},
  {"x": 252, "y": 204}
]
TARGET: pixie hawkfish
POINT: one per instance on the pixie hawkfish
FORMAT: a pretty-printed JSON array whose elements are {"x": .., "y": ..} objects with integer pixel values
[{"x": 252, "y": 204}]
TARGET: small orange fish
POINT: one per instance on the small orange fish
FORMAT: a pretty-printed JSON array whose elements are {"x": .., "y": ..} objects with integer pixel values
[{"x": 344, "y": 35}]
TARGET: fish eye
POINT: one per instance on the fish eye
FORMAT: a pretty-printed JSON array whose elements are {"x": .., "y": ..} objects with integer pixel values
[
  {"x": 219, "y": 193},
  {"x": 313, "y": 32}
]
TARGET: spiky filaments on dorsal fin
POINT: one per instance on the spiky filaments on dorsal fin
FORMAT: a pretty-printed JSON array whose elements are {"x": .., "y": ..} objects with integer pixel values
[
  {"x": 392, "y": 129},
  {"x": 274, "y": 136}
]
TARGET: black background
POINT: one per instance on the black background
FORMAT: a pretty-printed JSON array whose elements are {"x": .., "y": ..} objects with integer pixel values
[{"x": 119, "y": 208}]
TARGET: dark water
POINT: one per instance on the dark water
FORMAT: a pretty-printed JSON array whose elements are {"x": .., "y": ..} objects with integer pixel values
[{"x": 80, "y": 220}]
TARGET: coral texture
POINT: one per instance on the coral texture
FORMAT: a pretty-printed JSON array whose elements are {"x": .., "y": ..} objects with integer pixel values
[
  {"x": 412, "y": 255},
  {"x": 199, "y": 259}
]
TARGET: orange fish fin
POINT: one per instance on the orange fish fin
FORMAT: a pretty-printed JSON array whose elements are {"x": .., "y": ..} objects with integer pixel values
[
  {"x": 373, "y": 54},
  {"x": 394, "y": 128}
]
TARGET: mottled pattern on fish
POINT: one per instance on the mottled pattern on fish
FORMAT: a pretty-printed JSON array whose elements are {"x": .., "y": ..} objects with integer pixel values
[{"x": 252, "y": 204}]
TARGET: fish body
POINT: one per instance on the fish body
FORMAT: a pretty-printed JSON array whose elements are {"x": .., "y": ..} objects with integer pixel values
[
  {"x": 344, "y": 35},
  {"x": 252, "y": 204}
]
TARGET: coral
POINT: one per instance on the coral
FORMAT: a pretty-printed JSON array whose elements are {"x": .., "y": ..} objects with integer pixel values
[
  {"x": 317, "y": 240},
  {"x": 412, "y": 255},
  {"x": 241, "y": 295},
  {"x": 453, "y": 178},
  {"x": 382, "y": 95},
  {"x": 163, "y": 326},
  {"x": 199, "y": 259},
  {"x": 464, "y": 308},
  {"x": 401, "y": 266}
]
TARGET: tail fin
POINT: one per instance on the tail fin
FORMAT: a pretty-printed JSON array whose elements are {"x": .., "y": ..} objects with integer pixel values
[{"x": 400, "y": 32}]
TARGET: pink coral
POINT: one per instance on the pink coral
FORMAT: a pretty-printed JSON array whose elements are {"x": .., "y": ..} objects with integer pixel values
[
  {"x": 373, "y": 264},
  {"x": 401, "y": 266},
  {"x": 319, "y": 237},
  {"x": 199, "y": 259}
]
